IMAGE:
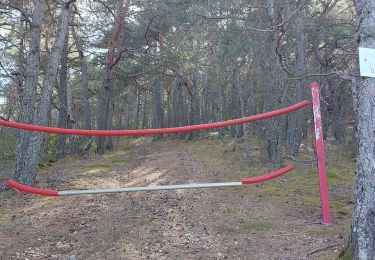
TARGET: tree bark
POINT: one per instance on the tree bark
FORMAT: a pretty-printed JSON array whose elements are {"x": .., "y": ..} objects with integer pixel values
[
  {"x": 336, "y": 105},
  {"x": 237, "y": 130},
  {"x": 28, "y": 98},
  {"x": 21, "y": 58},
  {"x": 145, "y": 111},
  {"x": 194, "y": 117},
  {"x": 137, "y": 108},
  {"x": 63, "y": 100},
  {"x": 206, "y": 100},
  {"x": 71, "y": 122},
  {"x": 85, "y": 81},
  {"x": 296, "y": 120},
  {"x": 105, "y": 92},
  {"x": 362, "y": 242},
  {"x": 128, "y": 111},
  {"x": 246, "y": 134},
  {"x": 217, "y": 94},
  {"x": 272, "y": 126},
  {"x": 26, "y": 160},
  {"x": 158, "y": 117}
]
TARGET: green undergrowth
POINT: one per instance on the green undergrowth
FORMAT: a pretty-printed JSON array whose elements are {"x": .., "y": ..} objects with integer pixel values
[
  {"x": 7, "y": 150},
  {"x": 345, "y": 254},
  {"x": 297, "y": 190},
  {"x": 256, "y": 225},
  {"x": 301, "y": 186}
]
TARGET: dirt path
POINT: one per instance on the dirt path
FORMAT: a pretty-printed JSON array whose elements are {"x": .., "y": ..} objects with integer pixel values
[{"x": 186, "y": 224}]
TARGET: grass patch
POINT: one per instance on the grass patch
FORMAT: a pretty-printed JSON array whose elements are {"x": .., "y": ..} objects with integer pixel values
[
  {"x": 8, "y": 193},
  {"x": 344, "y": 212},
  {"x": 7, "y": 149},
  {"x": 48, "y": 201},
  {"x": 300, "y": 186},
  {"x": 116, "y": 158},
  {"x": 256, "y": 225},
  {"x": 96, "y": 169},
  {"x": 345, "y": 254}
]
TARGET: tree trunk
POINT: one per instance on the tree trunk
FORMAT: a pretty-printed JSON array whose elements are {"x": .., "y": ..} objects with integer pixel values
[
  {"x": 28, "y": 98},
  {"x": 137, "y": 109},
  {"x": 194, "y": 117},
  {"x": 71, "y": 123},
  {"x": 127, "y": 111},
  {"x": 85, "y": 82},
  {"x": 362, "y": 242},
  {"x": 324, "y": 108},
  {"x": 145, "y": 111},
  {"x": 296, "y": 120},
  {"x": 217, "y": 94},
  {"x": 237, "y": 130},
  {"x": 246, "y": 134},
  {"x": 158, "y": 117},
  {"x": 110, "y": 142},
  {"x": 169, "y": 115},
  {"x": 21, "y": 58},
  {"x": 29, "y": 145},
  {"x": 105, "y": 92},
  {"x": 206, "y": 100},
  {"x": 175, "y": 122},
  {"x": 272, "y": 126},
  {"x": 103, "y": 108},
  {"x": 182, "y": 115},
  {"x": 63, "y": 100},
  {"x": 336, "y": 110}
]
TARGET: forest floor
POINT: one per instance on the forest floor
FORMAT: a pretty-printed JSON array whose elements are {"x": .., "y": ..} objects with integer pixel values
[{"x": 279, "y": 219}]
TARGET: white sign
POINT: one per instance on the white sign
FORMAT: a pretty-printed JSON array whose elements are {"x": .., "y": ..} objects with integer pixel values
[{"x": 367, "y": 62}]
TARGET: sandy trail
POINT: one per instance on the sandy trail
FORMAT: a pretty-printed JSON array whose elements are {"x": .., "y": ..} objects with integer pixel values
[{"x": 221, "y": 223}]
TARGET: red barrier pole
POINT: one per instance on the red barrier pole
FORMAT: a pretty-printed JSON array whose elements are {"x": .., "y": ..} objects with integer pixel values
[{"x": 319, "y": 147}]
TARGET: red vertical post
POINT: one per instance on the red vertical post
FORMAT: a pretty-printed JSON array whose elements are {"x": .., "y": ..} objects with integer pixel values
[{"x": 319, "y": 147}]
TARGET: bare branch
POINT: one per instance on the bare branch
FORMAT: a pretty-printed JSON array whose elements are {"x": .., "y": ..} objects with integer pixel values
[
  {"x": 68, "y": 3},
  {"x": 6, "y": 72},
  {"x": 15, "y": 7}
]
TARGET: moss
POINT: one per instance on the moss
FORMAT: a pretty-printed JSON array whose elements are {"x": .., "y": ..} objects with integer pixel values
[
  {"x": 345, "y": 254},
  {"x": 343, "y": 212}
]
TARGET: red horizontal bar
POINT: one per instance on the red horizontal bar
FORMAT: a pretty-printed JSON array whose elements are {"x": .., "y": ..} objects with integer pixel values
[
  {"x": 54, "y": 130},
  {"x": 268, "y": 176},
  {"x": 29, "y": 189}
]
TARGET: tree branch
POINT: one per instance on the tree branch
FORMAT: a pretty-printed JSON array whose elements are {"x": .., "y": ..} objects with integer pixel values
[{"x": 15, "y": 7}]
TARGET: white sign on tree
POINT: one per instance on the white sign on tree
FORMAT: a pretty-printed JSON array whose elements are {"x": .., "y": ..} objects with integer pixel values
[{"x": 367, "y": 62}]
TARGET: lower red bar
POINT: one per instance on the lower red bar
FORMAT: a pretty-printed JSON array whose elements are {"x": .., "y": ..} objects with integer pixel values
[
  {"x": 268, "y": 176},
  {"x": 28, "y": 189}
]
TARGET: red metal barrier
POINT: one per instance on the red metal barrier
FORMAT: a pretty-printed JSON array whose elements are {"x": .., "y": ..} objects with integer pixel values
[
  {"x": 324, "y": 197},
  {"x": 245, "y": 181},
  {"x": 182, "y": 129},
  {"x": 326, "y": 215},
  {"x": 268, "y": 176},
  {"x": 33, "y": 190}
]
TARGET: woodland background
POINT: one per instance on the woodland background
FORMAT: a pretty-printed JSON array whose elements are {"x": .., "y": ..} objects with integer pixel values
[
  {"x": 141, "y": 64},
  {"x": 135, "y": 64}
]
